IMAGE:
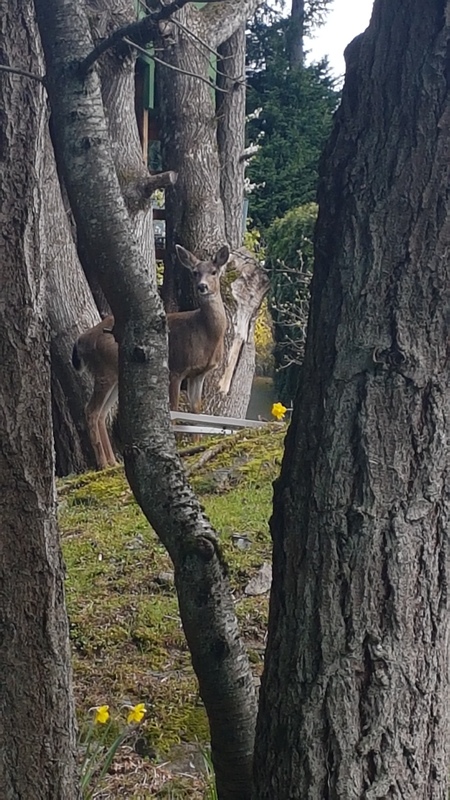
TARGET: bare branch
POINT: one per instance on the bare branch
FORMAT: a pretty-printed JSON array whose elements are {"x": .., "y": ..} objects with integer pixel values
[
  {"x": 142, "y": 32},
  {"x": 177, "y": 69},
  {"x": 23, "y": 72},
  {"x": 221, "y": 21}
]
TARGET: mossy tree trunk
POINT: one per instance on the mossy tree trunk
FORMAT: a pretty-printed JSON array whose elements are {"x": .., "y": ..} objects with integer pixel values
[{"x": 354, "y": 700}]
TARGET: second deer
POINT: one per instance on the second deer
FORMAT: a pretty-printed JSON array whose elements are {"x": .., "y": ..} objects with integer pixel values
[{"x": 195, "y": 348}]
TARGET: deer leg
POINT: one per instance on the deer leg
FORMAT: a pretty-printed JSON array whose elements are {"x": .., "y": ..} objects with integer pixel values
[
  {"x": 110, "y": 401},
  {"x": 93, "y": 413},
  {"x": 174, "y": 392},
  {"x": 194, "y": 393}
]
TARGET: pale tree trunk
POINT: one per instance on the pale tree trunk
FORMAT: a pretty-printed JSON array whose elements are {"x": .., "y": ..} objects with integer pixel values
[
  {"x": 151, "y": 461},
  {"x": 205, "y": 145},
  {"x": 117, "y": 75},
  {"x": 37, "y": 729},
  {"x": 354, "y": 700}
]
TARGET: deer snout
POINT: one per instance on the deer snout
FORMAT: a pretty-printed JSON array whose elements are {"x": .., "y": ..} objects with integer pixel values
[{"x": 203, "y": 288}]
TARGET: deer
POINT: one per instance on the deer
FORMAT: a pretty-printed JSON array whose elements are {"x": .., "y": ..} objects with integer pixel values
[{"x": 196, "y": 341}]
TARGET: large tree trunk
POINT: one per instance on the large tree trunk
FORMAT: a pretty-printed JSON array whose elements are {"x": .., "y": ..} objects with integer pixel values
[
  {"x": 205, "y": 146},
  {"x": 151, "y": 461},
  {"x": 354, "y": 698},
  {"x": 37, "y": 730}
]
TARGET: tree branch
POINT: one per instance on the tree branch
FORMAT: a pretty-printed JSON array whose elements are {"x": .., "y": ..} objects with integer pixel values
[
  {"x": 23, "y": 72},
  {"x": 142, "y": 32},
  {"x": 221, "y": 21},
  {"x": 178, "y": 69}
]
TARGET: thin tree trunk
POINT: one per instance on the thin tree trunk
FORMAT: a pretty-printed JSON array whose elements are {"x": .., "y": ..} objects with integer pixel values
[
  {"x": 355, "y": 692},
  {"x": 37, "y": 730},
  {"x": 71, "y": 309},
  {"x": 151, "y": 461},
  {"x": 295, "y": 34}
]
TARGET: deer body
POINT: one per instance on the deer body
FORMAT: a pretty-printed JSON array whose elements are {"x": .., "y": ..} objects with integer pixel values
[{"x": 195, "y": 348}]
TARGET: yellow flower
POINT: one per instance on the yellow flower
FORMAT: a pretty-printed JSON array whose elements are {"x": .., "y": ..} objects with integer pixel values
[
  {"x": 101, "y": 715},
  {"x": 136, "y": 714},
  {"x": 278, "y": 410}
]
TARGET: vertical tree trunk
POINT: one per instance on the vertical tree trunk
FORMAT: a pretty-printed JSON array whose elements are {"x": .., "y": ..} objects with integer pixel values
[
  {"x": 295, "y": 34},
  {"x": 205, "y": 146},
  {"x": 37, "y": 731},
  {"x": 355, "y": 692}
]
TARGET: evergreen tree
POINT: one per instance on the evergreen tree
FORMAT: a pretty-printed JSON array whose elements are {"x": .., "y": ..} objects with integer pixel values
[
  {"x": 291, "y": 127},
  {"x": 290, "y": 261}
]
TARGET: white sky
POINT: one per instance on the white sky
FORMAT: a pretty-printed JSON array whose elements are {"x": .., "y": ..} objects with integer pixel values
[{"x": 346, "y": 19}]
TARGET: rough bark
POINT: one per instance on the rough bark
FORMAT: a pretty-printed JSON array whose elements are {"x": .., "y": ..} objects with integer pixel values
[
  {"x": 205, "y": 146},
  {"x": 37, "y": 731},
  {"x": 116, "y": 70},
  {"x": 151, "y": 461},
  {"x": 71, "y": 309},
  {"x": 355, "y": 692},
  {"x": 231, "y": 132}
]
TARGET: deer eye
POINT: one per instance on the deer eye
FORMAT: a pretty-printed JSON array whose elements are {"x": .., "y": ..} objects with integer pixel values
[
  {"x": 195, "y": 273},
  {"x": 213, "y": 272}
]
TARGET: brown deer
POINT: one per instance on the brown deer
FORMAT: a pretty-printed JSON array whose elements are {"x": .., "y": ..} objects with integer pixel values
[{"x": 195, "y": 348}]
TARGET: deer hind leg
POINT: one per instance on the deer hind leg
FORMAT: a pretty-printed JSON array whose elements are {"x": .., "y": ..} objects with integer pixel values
[
  {"x": 194, "y": 393},
  {"x": 110, "y": 401},
  {"x": 96, "y": 424},
  {"x": 174, "y": 392}
]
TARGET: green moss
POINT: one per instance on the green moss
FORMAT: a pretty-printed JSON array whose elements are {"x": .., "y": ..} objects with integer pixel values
[{"x": 127, "y": 640}]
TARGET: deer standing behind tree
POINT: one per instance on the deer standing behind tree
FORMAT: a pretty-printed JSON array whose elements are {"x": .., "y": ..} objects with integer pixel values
[{"x": 195, "y": 348}]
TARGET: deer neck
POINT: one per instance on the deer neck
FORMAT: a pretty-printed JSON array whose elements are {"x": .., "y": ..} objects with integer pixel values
[{"x": 213, "y": 316}]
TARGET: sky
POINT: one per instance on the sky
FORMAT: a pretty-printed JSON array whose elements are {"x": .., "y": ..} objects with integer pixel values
[{"x": 346, "y": 19}]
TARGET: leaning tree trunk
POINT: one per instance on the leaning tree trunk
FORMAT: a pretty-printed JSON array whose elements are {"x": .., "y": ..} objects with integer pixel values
[
  {"x": 151, "y": 460},
  {"x": 71, "y": 297},
  {"x": 205, "y": 145},
  {"x": 37, "y": 730},
  {"x": 354, "y": 700}
]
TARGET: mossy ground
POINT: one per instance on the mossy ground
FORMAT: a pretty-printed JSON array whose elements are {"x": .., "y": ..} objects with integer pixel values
[{"x": 128, "y": 644}]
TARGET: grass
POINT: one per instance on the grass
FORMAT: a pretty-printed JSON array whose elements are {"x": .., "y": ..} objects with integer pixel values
[{"x": 128, "y": 645}]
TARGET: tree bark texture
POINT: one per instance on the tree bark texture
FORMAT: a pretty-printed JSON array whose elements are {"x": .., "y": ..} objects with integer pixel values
[
  {"x": 71, "y": 310},
  {"x": 37, "y": 730},
  {"x": 354, "y": 700},
  {"x": 151, "y": 461},
  {"x": 204, "y": 145},
  {"x": 230, "y": 114}
]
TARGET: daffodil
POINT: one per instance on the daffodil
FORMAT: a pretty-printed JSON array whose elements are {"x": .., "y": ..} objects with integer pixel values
[
  {"x": 136, "y": 714},
  {"x": 278, "y": 410},
  {"x": 101, "y": 715}
]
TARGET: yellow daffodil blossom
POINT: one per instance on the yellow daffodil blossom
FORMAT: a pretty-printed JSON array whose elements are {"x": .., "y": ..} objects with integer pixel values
[
  {"x": 136, "y": 714},
  {"x": 101, "y": 715},
  {"x": 278, "y": 410}
]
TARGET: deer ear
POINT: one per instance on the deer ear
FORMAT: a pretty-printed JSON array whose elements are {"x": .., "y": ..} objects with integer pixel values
[
  {"x": 185, "y": 257},
  {"x": 222, "y": 256}
]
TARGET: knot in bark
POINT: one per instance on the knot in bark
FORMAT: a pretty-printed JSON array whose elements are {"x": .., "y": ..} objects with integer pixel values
[{"x": 205, "y": 547}]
